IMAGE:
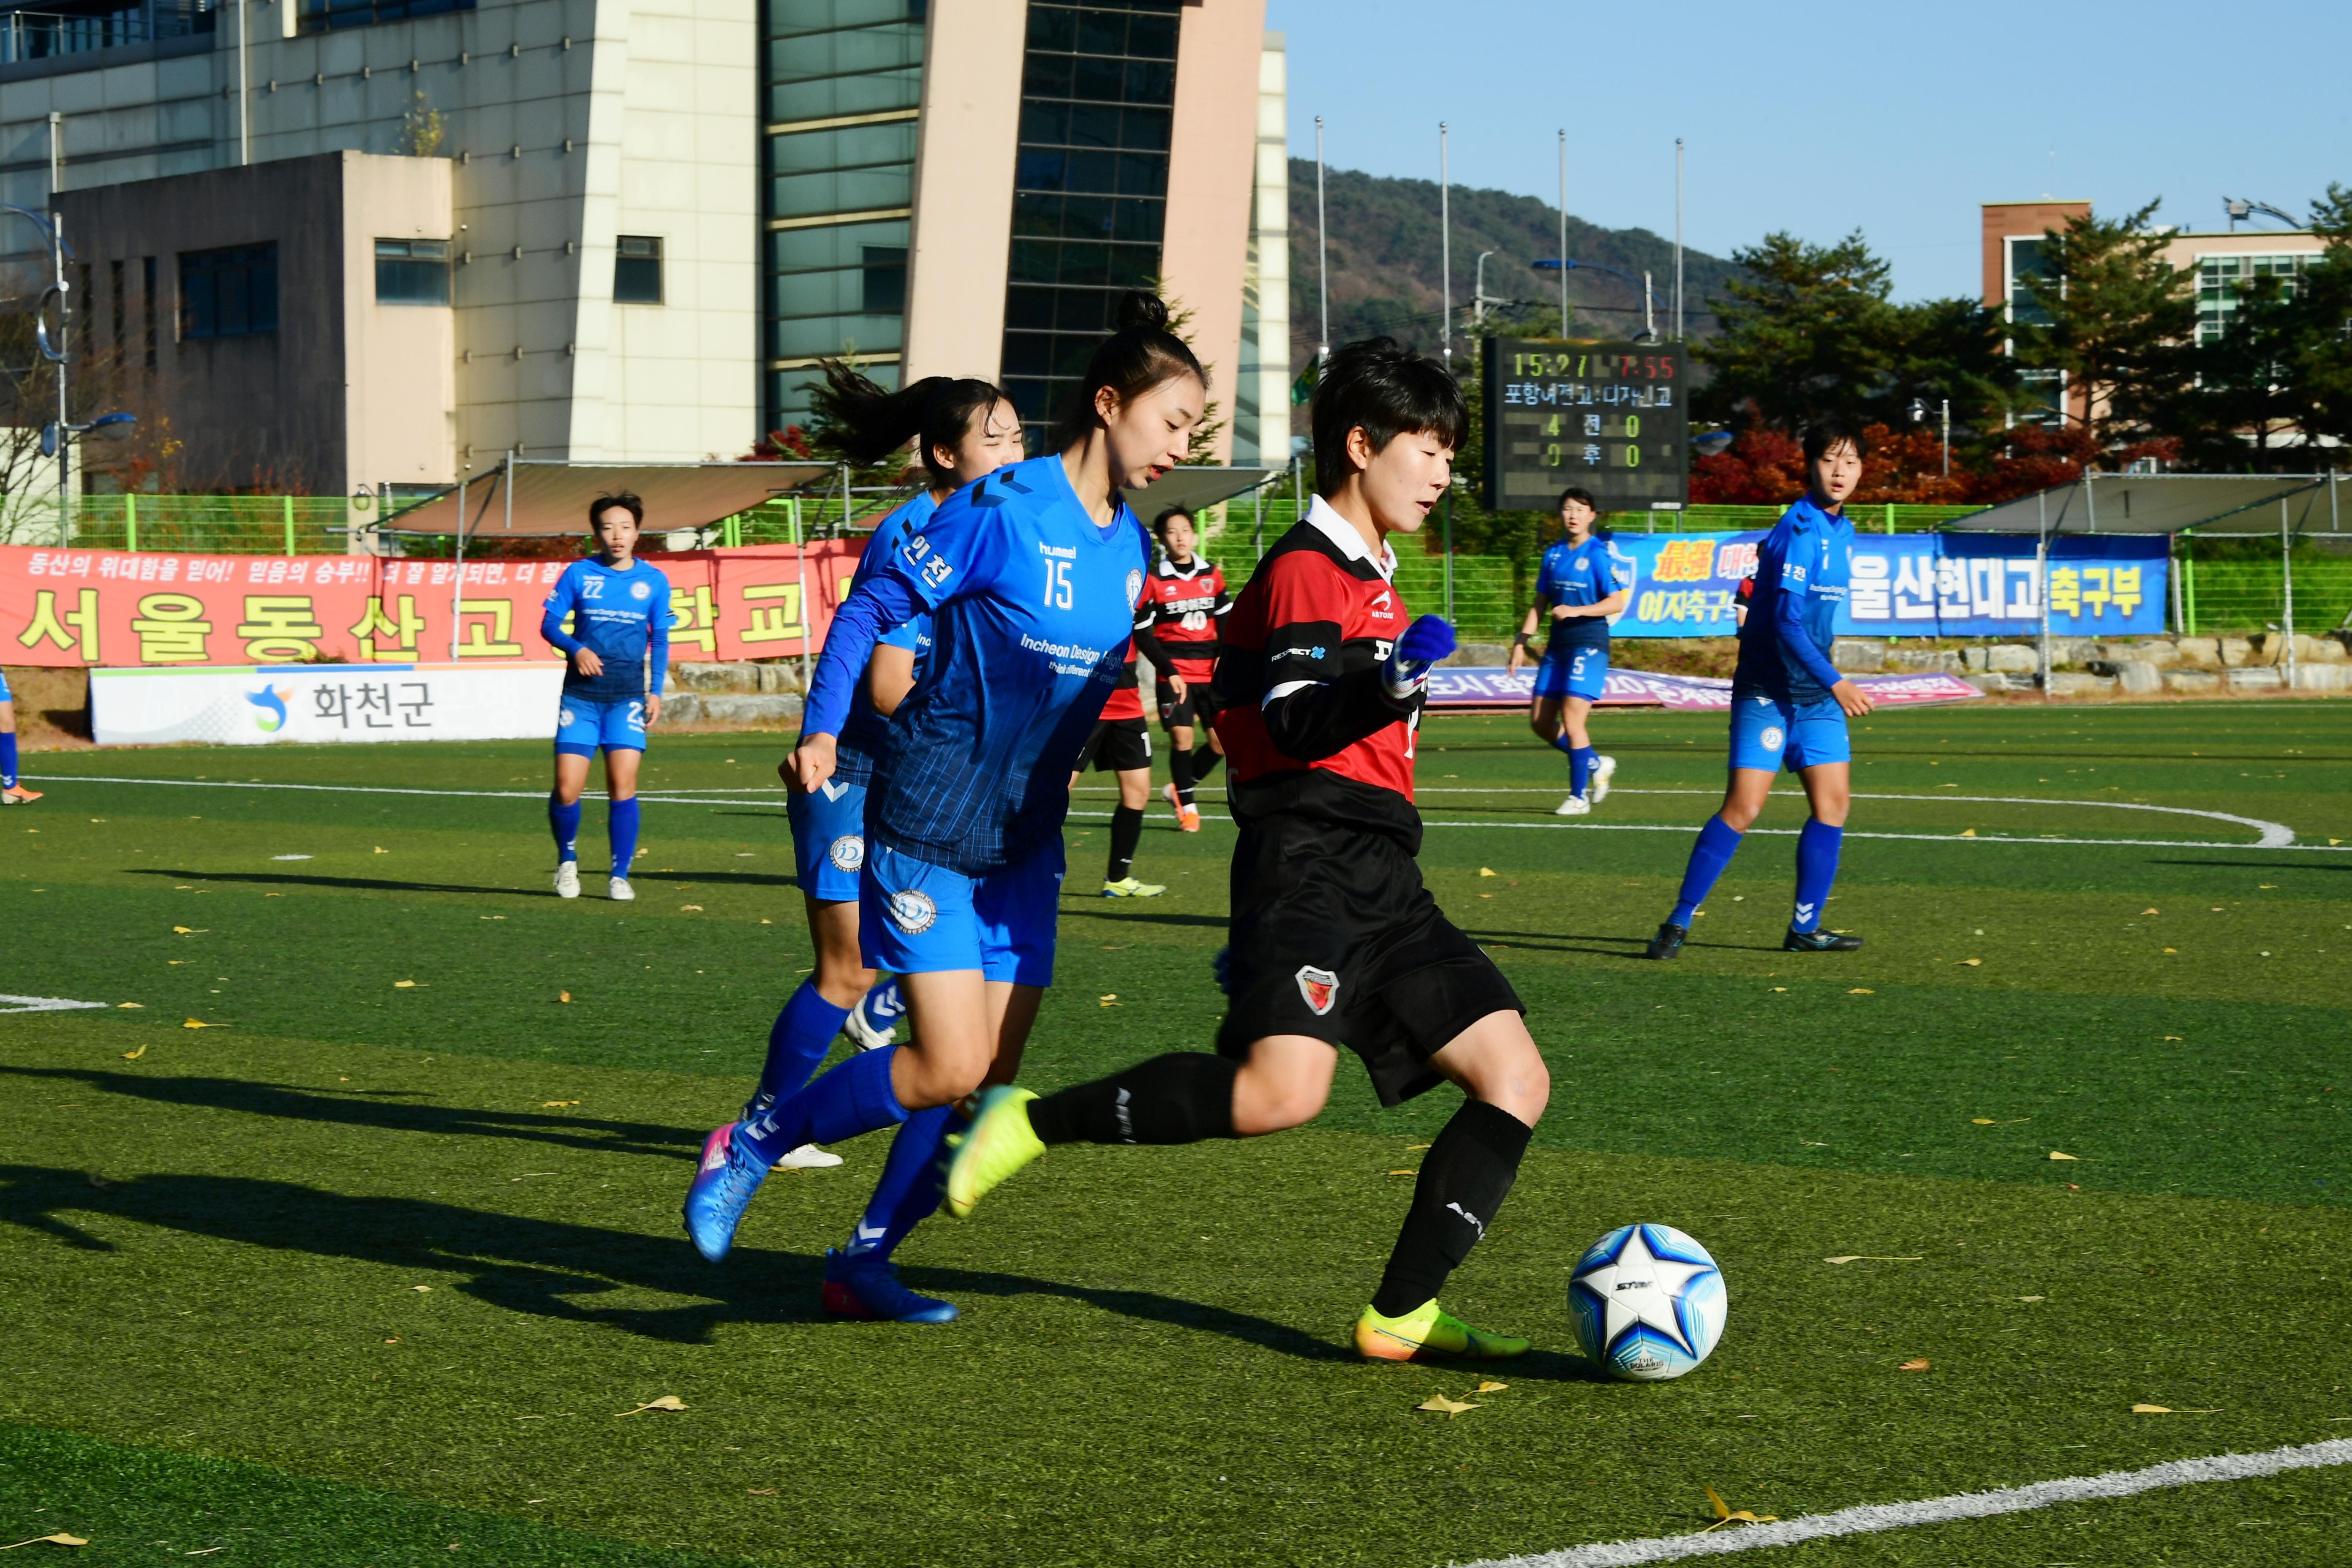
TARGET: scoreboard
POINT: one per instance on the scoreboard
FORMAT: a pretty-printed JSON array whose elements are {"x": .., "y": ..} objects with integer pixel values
[{"x": 1607, "y": 416}]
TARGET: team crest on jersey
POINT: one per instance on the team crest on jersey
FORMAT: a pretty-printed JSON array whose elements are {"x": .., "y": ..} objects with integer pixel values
[
  {"x": 641, "y": 591},
  {"x": 1770, "y": 738},
  {"x": 1319, "y": 986},
  {"x": 911, "y": 911},
  {"x": 848, "y": 852},
  {"x": 564, "y": 718},
  {"x": 1134, "y": 585}
]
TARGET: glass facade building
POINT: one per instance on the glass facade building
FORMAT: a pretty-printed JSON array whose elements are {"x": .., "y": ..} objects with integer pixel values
[
  {"x": 1090, "y": 186},
  {"x": 842, "y": 85},
  {"x": 2220, "y": 279}
]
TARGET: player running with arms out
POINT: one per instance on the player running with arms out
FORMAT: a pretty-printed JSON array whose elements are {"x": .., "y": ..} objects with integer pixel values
[
  {"x": 964, "y": 429},
  {"x": 11, "y": 791},
  {"x": 619, "y": 609},
  {"x": 1334, "y": 940},
  {"x": 1120, "y": 744},
  {"x": 1789, "y": 704},
  {"x": 1583, "y": 581},
  {"x": 1186, "y": 596},
  {"x": 1031, "y": 577}
]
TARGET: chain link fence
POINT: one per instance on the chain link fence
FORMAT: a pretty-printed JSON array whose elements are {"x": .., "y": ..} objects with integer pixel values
[{"x": 216, "y": 525}]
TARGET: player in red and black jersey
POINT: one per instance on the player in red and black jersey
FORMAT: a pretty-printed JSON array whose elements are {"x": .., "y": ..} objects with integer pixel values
[
  {"x": 1187, "y": 598},
  {"x": 1120, "y": 744},
  {"x": 1334, "y": 940}
]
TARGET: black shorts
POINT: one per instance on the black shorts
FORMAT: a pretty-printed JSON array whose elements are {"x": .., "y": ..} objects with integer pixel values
[
  {"x": 1334, "y": 936},
  {"x": 1117, "y": 745},
  {"x": 1178, "y": 714}
]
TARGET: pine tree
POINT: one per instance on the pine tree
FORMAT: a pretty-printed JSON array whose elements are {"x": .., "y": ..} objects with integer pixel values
[{"x": 2119, "y": 318}]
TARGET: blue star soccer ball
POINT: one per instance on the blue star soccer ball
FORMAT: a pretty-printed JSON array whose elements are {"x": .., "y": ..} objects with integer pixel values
[{"x": 1648, "y": 1303}]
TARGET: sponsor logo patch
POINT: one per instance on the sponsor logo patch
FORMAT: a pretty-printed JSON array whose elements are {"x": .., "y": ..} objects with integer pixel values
[
  {"x": 848, "y": 852},
  {"x": 564, "y": 718},
  {"x": 1770, "y": 738},
  {"x": 641, "y": 591},
  {"x": 911, "y": 912},
  {"x": 1134, "y": 585},
  {"x": 1319, "y": 986}
]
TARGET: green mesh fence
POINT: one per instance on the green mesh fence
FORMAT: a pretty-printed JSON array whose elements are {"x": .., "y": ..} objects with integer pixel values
[
  {"x": 216, "y": 525},
  {"x": 2235, "y": 587}
]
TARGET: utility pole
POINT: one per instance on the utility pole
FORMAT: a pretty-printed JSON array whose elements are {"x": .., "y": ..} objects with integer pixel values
[
  {"x": 1322, "y": 252},
  {"x": 1678, "y": 239},
  {"x": 1563, "y": 232},
  {"x": 1445, "y": 247}
]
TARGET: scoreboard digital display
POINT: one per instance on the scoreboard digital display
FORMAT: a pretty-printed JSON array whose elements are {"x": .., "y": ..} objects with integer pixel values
[{"x": 1607, "y": 416}]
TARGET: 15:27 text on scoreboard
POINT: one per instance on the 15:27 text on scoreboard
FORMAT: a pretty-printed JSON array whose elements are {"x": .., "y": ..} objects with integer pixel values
[{"x": 1606, "y": 416}]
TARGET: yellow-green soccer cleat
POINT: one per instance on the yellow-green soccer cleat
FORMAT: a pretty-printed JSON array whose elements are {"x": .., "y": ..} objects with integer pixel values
[
  {"x": 1427, "y": 1335},
  {"x": 1129, "y": 888},
  {"x": 999, "y": 1142}
]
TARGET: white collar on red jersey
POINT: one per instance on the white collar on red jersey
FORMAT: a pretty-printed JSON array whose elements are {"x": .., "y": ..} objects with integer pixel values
[
  {"x": 1341, "y": 532},
  {"x": 1167, "y": 567}
]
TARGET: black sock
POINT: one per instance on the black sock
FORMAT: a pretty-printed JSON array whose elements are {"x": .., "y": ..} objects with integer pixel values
[
  {"x": 1180, "y": 768},
  {"x": 1126, "y": 833},
  {"x": 1182, "y": 1098},
  {"x": 1463, "y": 1180},
  {"x": 1204, "y": 762}
]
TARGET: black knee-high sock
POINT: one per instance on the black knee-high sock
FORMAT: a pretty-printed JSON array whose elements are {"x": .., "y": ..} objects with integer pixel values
[
  {"x": 1204, "y": 762},
  {"x": 1126, "y": 833},
  {"x": 1180, "y": 768},
  {"x": 1182, "y": 1098},
  {"x": 1464, "y": 1181}
]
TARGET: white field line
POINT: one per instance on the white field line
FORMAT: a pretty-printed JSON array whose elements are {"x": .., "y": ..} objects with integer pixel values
[
  {"x": 42, "y": 1004},
  {"x": 1873, "y": 1516},
  {"x": 2274, "y": 835}
]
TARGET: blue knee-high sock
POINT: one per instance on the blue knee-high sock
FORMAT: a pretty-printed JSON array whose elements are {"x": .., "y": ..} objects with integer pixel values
[
  {"x": 913, "y": 1182},
  {"x": 1580, "y": 768},
  {"x": 621, "y": 827},
  {"x": 563, "y": 821},
  {"x": 1817, "y": 859},
  {"x": 1560, "y": 742},
  {"x": 798, "y": 1040},
  {"x": 1717, "y": 842},
  {"x": 9, "y": 760},
  {"x": 853, "y": 1098}
]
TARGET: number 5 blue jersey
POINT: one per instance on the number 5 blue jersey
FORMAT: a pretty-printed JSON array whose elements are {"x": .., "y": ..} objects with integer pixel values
[
  {"x": 1033, "y": 605},
  {"x": 1582, "y": 574}
]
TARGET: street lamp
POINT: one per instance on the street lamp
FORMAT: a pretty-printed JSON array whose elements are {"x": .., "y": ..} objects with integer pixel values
[
  {"x": 57, "y": 435},
  {"x": 1478, "y": 293},
  {"x": 1919, "y": 412},
  {"x": 1649, "y": 332}
]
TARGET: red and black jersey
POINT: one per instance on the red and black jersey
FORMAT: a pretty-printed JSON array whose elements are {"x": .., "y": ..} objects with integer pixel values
[
  {"x": 1188, "y": 605},
  {"x": 1298, "y": 700},
  {"x": 1125, "y": 698}
]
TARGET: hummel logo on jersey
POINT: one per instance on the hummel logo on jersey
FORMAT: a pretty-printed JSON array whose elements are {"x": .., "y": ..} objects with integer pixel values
[
  {"x": 834, "y": 791},
  {"x": 1476, "y": 1223},
  {"x": 1319, "y": 986}
]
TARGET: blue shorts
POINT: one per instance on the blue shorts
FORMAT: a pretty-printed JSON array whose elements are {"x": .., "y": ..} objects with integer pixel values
[
  {"x": 4, "y": 688},
  {"x": 915, "y": 918},
  {"x": 1771, "y": 735},
  {"x": 582, "y": 728},
  {"x": 1573, "y": 672},
  {"x": 829, "y": 840}
]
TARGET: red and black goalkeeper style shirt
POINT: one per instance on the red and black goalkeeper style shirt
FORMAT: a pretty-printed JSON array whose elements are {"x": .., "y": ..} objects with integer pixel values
[
  {"x": 1305, "y": 721},
  {"x": 1188, "y": 606}
]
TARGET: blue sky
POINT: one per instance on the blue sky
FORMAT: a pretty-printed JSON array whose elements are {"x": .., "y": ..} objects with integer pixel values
[{"x": 1820, "y": 118}]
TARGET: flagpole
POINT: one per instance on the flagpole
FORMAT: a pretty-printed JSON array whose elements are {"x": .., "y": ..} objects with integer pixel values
[
  {"x": 1678, "y": 239},
  {"x": 1563, "y": 233},
  {"x": 1322, "y": 251},
  {"x": 1445, "y": 247}
]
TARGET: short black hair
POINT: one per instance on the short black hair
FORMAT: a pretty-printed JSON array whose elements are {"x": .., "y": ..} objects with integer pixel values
[
  {"x": 1576, "y": 492},
  {"x": 1386, "y": 392},
  {"x": 627, "y": 501},
  {"x": 1160, "y": 523},
  {"x": 1827, "y": 432}
]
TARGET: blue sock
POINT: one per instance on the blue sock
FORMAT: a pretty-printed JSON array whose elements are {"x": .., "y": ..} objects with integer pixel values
[
  {"x": 9, "y": 760},
  {"x": 621, "y": 827},
  {"x": 564, "y": 820},
  {"x": 1817, "y": 859},
  {"x": 1717, "y": 843},
  {"x": 1560, "y": 742},
  {"x": 853, "y": 1098},
  {"x": 798, "y": 1040},
  {"x": 911, "y": 1186},
  {"x": 1580, "y": 768}
]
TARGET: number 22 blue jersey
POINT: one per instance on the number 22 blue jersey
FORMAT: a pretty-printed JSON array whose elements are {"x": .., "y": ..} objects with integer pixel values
[{"x": 1033, "y": 605}]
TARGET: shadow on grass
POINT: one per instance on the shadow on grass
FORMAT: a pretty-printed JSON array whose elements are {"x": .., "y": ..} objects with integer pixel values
[
  {"x": 556, "y": 1268},
  {"x": 2262, "y": 865},
  {"x": 360, "y": 884},
  {"x": 372, "y": 1109},
  {"x": 1090, "y": 906}
]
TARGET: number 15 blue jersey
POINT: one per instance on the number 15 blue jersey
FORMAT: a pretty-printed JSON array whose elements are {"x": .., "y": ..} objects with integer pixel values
[{"x": 1033, "y": 605}]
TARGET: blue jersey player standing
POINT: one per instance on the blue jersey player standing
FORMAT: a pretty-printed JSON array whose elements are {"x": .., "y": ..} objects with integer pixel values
[
  {"x": 1580, "y": 582},
  {"x": 1032, "y": 577},
  {"x": 966, "y": 428},
  {"x": 619, "y": 610},
  {"x": 11, "y": 791},
  {"x": 1789, "y": 703}
]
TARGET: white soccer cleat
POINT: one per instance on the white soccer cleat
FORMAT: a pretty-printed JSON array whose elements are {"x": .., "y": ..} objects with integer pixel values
[
  {"x": 1574, "y": 805},
  {"x": 621, "y": 890},
  {"x": 1602, "y": 771},
  {"x": 567, "y": 880},
  {"x": 809, "y": 1157}
]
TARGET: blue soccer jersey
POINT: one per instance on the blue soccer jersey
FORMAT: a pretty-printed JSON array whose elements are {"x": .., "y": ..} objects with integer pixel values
[
  {"x": 1032, "y": 607},
  {"x": 1802, "y": 570},
  {"x": 1582, "y": 573},
  {"x": 619, "y": 615},
  {"x": 866, "y": 734}
]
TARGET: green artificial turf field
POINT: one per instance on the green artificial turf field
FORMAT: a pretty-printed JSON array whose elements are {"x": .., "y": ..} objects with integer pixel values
[{"x": 367, "y": 1271}]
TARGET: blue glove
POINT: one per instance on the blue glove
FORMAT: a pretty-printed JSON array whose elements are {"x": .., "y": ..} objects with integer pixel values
[{"x": 1424, "y": 642}]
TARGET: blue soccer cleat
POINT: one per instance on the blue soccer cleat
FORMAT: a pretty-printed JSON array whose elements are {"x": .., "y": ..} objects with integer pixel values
[
  {"x": 873, "y": 1022},
  {"x": 864, "y": 1284},
  {"x": 722, "y": 1188}
]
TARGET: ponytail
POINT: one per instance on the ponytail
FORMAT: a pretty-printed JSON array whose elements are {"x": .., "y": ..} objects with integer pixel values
[
  {"x": 866, "y": 423},
  {"x": 1138, "y": 357}
]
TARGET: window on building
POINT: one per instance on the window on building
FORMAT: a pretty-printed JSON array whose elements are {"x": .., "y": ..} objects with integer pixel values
[
  {"x": 2025, "y": 267},
  {"x": 2221, "y": 279},
  {"x": 333, "y": 16},
  {"x": 229, "y": 293},
  {"x": 637, "y": 271},
  {"x": 1090, "y": 185},
  {"x": 411, "y": 272},
  {"x": 147, "y": 295},
  {"x": 885, "y": 280}
]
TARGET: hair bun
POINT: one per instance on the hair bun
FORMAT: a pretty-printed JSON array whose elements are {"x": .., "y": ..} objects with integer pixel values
[{"x": 1142, "y": 307}]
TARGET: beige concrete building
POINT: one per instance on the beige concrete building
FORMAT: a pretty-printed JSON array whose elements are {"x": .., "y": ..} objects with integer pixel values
[{"x": 576, "y": 229}]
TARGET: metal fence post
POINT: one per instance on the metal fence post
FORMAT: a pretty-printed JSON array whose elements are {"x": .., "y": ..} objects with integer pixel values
[
  {"x": 129, "y": 521},
  {"x": 289, "y": 523},
  {"x": 2286, "y": 589}
]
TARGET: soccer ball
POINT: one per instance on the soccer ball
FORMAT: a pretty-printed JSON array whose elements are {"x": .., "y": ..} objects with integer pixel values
[{"x": 1648, "y": 1303}]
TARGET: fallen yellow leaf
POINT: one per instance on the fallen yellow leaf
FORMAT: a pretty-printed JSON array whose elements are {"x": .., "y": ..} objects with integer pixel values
[
  {"x": 134, "y": 1056},
  {"x": 2033, "y": 1297},
  {"x": 59, "y": 1538},
  {"x": 196, "y": 1024},
  {"x": 564, "y": 996},
  {"x": 2169, "y": 1410},
  {"x": 1411, "y": 1147},
  {"x": 551, "y": 1104},
  {"x": 403, "y": 986},
  {"x": 1982, "y": 1122},
  {"x": 1447, "y": 1407},
  {"x": 2151, "y": 1409},
  {"x": 1779, "y": 988},
  {"x": 382, "y": 850},
  {"x": 2056, "y": 1155},
  {"x": 763, "y": 1491},
  {"x": 1490, "y": 1386},
  {"x": 1875, "y": 1257},
  {"x": 1484, "y": 872},
  {"x": 1919, "y": 1364},
  {"x": 134, "y": 1005},
  {"x": 1862, "y": 991},
  {"x": 696, "y": 908},
  {"x": 2172, "y": 949},
  {"x": 667, "y": 1401},
  {"x": 1725, "y": 1513},
  {"x": 2151, "y": 912},
  {"x": 1968, "y": 832},
  {"x": 421, "y": 1290},
  {"x": 1973, "y": 962},
  {"x": 767, "y": 922},
  {"x": 1404, "y": 1173},
  {"x": 191, "y": 930}
]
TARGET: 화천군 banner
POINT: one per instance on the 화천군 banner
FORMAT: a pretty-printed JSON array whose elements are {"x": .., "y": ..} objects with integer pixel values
[{"x": 1910, "y": 584}]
